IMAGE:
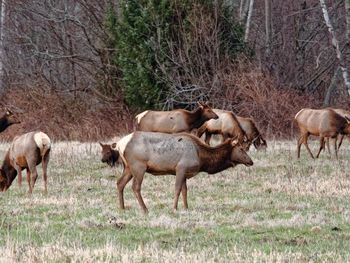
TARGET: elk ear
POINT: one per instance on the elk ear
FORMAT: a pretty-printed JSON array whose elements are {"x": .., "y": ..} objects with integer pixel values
[
  {"x": 234, "y": 142},
  {"x": 8, "y": 112},
  {"x": 199, "y": 104},
  {"x": 114, "y": 145},
  {"x": 207, "y": 103},
  {"x": 348, "y": 120}
]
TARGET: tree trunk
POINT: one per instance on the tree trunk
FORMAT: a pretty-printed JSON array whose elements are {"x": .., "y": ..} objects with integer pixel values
[
  {"x": 2, "y": 34},
  {"x": 335, "y": 44},
  {"x": 243, "y": 10},
  {"x": 268, "y": 25},
  {"x": 247, "y": 28},
  {"x": 347, "y": 34},
  {"x": 331, "y": 88},
  {"x": 347, "y": 19}
]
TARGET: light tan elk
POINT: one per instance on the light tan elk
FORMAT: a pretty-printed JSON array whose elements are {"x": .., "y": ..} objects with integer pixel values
[
  {"x": 230, "y": 125},
  {"x": 227, "y": 125},
  {"x": 325, "y": 123},
  {"x": 183, "y": 155},
  {"x": 174, "y": 121},
  {"x": 26, "y": 152},
  {"x": 343, "y": 113}
]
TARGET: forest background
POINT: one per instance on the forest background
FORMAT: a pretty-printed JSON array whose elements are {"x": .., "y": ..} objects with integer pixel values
[{"x": 82, "y": 69}]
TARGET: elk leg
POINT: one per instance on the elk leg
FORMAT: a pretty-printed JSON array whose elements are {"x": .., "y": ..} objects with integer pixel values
[
  {"x": 327, "y": 143},
  {"x": 184, "y": 194},
  {"x": 200, "y": 131},
  {"x": 307, "y": 147},
  {"x": 138, "y": 171},
  {"x": 45, "y": 161},
  {"x": 34, "y": 173},
  {"x": 341, "y": 141},
  {"x": 300, "y": 141},
  {"x": 19, "y": 174},
  {"x": 179, "y": 181},
  {"x": 121, "y": 183},
  {"x": 19, "y": 180},
  {"x": 136, "y": 187},
  {"x": 335, "y": 147},
  {"x": 28, "y": 180},
  {"x": 321, "y": 146},
  {"x": 207, "y": 137}
]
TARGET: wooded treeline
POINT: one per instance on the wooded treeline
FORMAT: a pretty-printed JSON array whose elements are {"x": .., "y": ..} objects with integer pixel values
[{"x": 81, "y": 69}]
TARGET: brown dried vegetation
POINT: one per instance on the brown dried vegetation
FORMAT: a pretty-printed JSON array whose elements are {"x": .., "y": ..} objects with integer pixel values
[{"x": 81, "y": 118}]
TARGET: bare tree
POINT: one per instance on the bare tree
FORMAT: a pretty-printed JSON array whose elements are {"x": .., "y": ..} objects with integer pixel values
[
  {"x": 57, "y": 45},
  {"x": 347, "y": 18},
  {"x": 243, "y": 10},
  {"x": 268, "y": 25},
  {"x": 2, "y": 32},
  {"x": 335, "y": 44},
  {"x": 331, "y": 88},
  {"x": 347, "y": 38},
  {"x": 247, "y": 27}
]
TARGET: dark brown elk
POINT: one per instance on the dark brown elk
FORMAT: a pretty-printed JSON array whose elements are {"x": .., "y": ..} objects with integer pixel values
[
  {"x": 7, "y": 120},
  {"x": 25, "y": 152},
  {"x": 174, "y": 121},
  {"x": 183, "y": 155},
  {"x": 254, "y": 136},
  {"x": 343, "y": 113},
  {"x": 109, "y": 155},
  {"x": 325, "y": 123}
]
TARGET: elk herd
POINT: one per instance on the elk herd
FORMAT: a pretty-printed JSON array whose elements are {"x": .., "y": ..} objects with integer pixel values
[{"x": 170, "y": 142}]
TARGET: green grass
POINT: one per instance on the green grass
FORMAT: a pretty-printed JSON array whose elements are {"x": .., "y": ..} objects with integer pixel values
[{"x": 280, "y": 210}]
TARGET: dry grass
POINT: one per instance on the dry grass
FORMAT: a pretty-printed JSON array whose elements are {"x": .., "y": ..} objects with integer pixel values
[{"x": 280, "y": 210}]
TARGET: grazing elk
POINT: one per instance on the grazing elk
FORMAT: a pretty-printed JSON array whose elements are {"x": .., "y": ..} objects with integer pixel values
[
  {"x": 7, "y": 120},
  {"x": 109, "y": 155},
  {"x": 183, "y": 155},
  {"x": 343, "y": 113},
  {"x": 174, "y": 121},
  {"x": 233, "y": 126},
  {"x": 254, "y": 136},
  {"x": 227, "y": 125},
  {"x": 25, "y": 152},
  {"x": 325, "y": 123}
]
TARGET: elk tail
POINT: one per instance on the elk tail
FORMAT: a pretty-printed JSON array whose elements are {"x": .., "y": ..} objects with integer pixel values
[{"x": 43, "y": 142}]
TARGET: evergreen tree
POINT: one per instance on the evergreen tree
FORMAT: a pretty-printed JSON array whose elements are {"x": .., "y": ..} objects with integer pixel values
[{"x": 140, "y": 36}]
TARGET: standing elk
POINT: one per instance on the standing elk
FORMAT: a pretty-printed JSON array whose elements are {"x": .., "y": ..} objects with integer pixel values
[
  {"x": 183, "y": 155},
  {"x": 325, "y": 123},
  {"x": 174, "y": 121},
  {"x": 109, "y": 155},
  {"x": 26, "y": 152},
  {"x": 343, "y": 113},
  {"x": 7, "y": 120}
]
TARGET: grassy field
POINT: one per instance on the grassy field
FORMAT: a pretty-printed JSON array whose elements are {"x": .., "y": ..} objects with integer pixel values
[{"x": 279, "y": 210}]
